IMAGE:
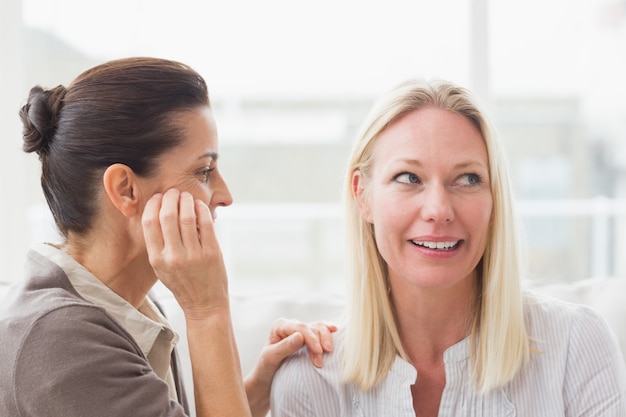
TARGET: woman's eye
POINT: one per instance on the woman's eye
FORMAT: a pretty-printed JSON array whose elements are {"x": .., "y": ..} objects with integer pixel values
[
  {"x": 470, "y": 179},
  {"x": 407, "y": 178},
  {"x": 206, "y": 173}
]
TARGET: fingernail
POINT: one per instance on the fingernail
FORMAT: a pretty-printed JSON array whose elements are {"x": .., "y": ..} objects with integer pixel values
[
  {"x": 318, "y": 361},
  {"x": 294, "y": 339},
  {"x": 328, "y": 347}
]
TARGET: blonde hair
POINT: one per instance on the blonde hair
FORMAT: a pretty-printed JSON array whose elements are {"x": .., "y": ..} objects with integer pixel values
[{"x": 498, "y": 338}]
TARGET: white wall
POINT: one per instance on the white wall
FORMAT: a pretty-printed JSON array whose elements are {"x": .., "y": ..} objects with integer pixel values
[{"x": 18, "y": 171}]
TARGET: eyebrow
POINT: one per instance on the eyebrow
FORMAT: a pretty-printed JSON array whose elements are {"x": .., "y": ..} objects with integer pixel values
[
  {"x": 211, "y": 155},
  {"x": 460, "y": 165}
]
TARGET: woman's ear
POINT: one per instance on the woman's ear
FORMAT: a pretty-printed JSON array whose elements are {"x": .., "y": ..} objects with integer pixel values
[
  {"x": 359, "y": 194},
  {"x": 120, "y": 184}
]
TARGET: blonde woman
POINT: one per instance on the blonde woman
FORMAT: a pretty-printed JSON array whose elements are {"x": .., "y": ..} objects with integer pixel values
[{"x": 437, "y": 323}]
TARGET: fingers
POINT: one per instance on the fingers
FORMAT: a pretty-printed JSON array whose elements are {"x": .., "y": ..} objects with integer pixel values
[
  {"x": 175, "y": 220},
  {"x": 187, "y": 221},
  {"x": 168, "y": 223},
  {"x": 325, "y": 330},
  {"x": 177, "y": 216},
  {"x": 320, "y": 337},
  {"x": 204, "y": 221},
  {"x": 162, "y": 230},
  {"x": 317, "y": 336},
  {"x": 184, "y": 252},
  {"x": 152, "y": 227},
  {"x": 275, "y": 353},
  {"x": 169, "y": 219}
]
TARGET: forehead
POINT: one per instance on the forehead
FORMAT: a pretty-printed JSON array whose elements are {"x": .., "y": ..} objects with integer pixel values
[
  {"x": 198, "y": 128},
  {"x": 198, "y": 137},
  {"x": 199, "y": 120},
  {"x": 433, "y": 132}
]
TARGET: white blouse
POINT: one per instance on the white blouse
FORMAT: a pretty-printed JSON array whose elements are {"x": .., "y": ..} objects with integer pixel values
[{"x": 580, "y": 371}]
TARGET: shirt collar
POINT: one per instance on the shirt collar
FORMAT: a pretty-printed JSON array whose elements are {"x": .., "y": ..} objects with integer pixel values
[{"x": 144, "y": 324}]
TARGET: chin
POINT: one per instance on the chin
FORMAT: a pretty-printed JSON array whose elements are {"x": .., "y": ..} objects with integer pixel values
[{"x": 436, "y": 280}]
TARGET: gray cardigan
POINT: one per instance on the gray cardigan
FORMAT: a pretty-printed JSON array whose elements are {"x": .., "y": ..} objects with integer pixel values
[{"x": 61, "y": 355}]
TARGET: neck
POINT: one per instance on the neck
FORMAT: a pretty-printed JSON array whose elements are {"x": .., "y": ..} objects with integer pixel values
[
  {"x": 122, "y": 268},
  {"x": 432, "y": 320}
]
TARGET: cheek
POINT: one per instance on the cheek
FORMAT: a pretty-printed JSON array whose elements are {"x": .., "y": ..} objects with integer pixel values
[
  {"x": 391, "y": 218},
  {"x": 201, "y": 193},
  {"x": 364, "y": 205},
  {"x": 198, "y": 189},
  {"x": 482, "y": 221},
  {"x": 389, "y": 207}
]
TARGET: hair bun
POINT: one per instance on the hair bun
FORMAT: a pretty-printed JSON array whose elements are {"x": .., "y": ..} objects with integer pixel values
[{"x": 39, "y": 117}]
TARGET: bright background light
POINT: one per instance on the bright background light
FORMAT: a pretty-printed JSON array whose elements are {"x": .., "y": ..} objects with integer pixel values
[{"x": 290, "y": 82}]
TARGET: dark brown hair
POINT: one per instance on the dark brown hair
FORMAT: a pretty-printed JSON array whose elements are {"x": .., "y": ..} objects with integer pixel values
[{"x": 119, "y": 112}]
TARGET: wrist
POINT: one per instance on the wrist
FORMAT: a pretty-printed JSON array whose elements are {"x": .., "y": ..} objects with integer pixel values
[
  {"x": 258, "y": 393},
  {"x": 214, "y": 310}
]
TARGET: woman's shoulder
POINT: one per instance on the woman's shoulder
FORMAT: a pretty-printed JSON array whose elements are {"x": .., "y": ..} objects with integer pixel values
[
  {"x": 552, "y": 320},
  {"x": 574, "y": 341},
  {"x": 300, "y": 364},
  {"x": 551, "y": 310},
  {"x": 86, "y": 358},
  {"x": 64, "y": 319},
  {"x": 31, "y": 304},
  {"x": 299, "y": 385},
  {"x": 50, "y": 320}
]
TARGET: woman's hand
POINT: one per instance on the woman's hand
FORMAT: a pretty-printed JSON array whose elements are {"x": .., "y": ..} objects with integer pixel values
[
  {"x": 184, "y": 252},
  {"x": 286, "y": 337},
  {"x": 317, "y": 336}
]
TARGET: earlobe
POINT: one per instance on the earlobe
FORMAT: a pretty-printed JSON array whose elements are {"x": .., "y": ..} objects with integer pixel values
[
  {"x": 359, "y": 194},
  {"x": 120, "y": 185}
]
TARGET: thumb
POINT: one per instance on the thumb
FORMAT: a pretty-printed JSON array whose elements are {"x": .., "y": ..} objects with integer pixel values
[{"x": 276, "y": 352}]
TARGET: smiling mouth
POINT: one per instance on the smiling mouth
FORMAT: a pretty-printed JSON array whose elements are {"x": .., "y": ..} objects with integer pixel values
[{"x": 437, "y": 245}]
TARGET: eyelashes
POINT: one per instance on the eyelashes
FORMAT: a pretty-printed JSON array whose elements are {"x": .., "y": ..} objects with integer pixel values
[
  {"x": 472, "y": 178},
  {"x": 205, "y": 174},
  {"x": 407, "y": 178}
]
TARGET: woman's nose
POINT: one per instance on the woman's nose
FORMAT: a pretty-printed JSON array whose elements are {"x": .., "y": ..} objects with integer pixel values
[
  {"x": 437, "y": 205},
  {"x": 221, "y": 194}
]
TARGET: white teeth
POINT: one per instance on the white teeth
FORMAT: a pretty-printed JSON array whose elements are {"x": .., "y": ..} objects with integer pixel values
[{"x": 437, "y": 245}]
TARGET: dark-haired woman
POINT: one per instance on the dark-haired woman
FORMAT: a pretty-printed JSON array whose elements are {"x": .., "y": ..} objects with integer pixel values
[{"x": 129, "y": 156}]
